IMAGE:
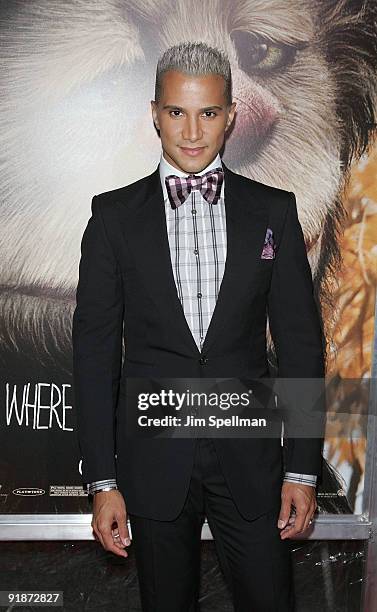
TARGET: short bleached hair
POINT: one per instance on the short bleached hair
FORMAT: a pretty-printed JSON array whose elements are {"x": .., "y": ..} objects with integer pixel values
[{"x": 194, "y": 58}]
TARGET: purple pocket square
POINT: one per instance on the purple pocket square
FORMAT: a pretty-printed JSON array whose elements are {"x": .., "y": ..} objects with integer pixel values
[{"x": 268, "y": 251}]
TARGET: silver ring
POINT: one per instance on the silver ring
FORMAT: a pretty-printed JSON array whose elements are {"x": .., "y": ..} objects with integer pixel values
[{"x": 117, "y": 536}]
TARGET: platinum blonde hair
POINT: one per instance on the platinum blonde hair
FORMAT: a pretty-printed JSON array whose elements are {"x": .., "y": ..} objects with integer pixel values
[{"x": 194, "y": 58}]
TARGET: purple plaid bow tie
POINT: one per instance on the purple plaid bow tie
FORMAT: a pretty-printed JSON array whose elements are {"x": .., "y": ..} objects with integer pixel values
[{"x": 209, "y": 184}]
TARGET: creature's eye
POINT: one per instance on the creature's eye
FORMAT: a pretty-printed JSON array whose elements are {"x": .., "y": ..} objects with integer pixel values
[{"x": 259, "y": 55}]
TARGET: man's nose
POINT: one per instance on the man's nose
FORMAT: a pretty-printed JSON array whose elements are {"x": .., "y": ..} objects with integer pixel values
[{"x": 192, "y": 130}]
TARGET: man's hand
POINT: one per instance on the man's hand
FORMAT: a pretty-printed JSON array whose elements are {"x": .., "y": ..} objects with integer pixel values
[
  {"x": 303, "y": 498},
  {"x": 109, "y": 521}
]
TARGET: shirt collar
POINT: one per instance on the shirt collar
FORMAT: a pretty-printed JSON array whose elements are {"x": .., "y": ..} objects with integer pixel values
[{"x": 166, "y": 168}]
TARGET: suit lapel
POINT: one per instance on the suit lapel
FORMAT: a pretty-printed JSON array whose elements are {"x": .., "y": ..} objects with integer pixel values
[
  {"x": 145, "y": 232},
  {"x": 246, "y": 224}
]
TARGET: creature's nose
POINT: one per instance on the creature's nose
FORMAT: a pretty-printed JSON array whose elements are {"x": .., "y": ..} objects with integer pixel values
[{"x": 256, "y": 111}]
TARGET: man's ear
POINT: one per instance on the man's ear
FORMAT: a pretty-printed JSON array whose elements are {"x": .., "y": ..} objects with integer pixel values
[{"x": 154, "y": 114}]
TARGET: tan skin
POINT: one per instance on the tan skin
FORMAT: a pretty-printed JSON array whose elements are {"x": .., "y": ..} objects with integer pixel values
[{"x": 193, "y": 112}]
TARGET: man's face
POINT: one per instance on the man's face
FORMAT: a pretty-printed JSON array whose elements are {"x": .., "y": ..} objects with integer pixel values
[{"x": 192, "y": 116}]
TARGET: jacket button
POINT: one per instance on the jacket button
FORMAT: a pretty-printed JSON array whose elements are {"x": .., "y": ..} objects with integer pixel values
[{"x": 203, "y": 360}]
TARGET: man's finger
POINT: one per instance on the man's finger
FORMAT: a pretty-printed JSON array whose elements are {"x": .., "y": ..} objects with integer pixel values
[
  {"x": 108, "y": 541},
  {"x": 301, "y": 516},
  {"x": 123, "y": 529},
  {"x": 285, "y": 511},
  {"x": 116, "y": 538},
  {"x": 309, "y": 517}
]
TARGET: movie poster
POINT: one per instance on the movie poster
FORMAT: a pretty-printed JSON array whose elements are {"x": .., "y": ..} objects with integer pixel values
[{"x": 76, "y": 83}]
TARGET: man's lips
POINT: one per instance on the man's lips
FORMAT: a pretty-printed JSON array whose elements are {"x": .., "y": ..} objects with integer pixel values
[{"x": 192, "y": 151}]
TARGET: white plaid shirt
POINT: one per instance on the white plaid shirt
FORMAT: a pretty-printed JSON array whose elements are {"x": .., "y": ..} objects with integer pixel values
[{"x": 197, "y": 240}]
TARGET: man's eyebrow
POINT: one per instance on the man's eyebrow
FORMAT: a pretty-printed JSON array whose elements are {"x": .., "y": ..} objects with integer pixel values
[{"x": 206, "y": 108}]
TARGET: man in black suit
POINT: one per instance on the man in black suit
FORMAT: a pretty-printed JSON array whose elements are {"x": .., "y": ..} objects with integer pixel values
[{"x": 185, "y": 264}]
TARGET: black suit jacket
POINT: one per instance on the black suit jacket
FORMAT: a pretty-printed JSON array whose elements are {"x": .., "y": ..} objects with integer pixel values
[{"x": 126, "y": 289}]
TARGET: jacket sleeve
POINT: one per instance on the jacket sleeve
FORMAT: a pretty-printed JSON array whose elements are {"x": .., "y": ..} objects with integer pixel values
[
  {"x": 97, "y": 349},
  {"x": 297, "y": 333}
]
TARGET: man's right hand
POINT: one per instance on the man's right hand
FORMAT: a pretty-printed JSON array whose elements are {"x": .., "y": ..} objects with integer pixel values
[{"x": 110, "y": 520}]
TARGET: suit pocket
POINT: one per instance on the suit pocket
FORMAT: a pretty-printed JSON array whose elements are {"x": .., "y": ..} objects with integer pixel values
[
  {"x": 136, "y": 369},
  {"x": 139, "y": 362}
]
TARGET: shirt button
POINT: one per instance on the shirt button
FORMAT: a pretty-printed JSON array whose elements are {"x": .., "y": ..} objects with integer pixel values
[
  {"x": 199, "y": 295},
  {"x": 203, "y": 360},
  {"x": 196, "y": 251},
  {"x": 193, "y": 211}
]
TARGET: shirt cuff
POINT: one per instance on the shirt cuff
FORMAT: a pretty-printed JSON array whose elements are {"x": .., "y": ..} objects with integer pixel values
[
  {"x": 101, "y": 485},
  {"x": 307, "y": 479}
]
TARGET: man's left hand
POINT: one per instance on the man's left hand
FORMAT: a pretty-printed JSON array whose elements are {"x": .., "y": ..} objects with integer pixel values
[{"x": 303, "y": 498}]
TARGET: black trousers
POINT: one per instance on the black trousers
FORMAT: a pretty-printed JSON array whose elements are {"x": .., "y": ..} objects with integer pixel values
[{"x": 255, "y": 562}]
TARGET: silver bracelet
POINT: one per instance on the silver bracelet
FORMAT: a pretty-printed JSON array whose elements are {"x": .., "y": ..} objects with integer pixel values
[
  {"x": 104, "y": 489},
  {"x": 101, "y": 485}
]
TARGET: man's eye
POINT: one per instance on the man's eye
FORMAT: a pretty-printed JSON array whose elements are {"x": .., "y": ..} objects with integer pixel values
[{"x": 205, "y": 113}]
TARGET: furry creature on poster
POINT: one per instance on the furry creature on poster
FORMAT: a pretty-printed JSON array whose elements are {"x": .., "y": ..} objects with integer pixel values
[{"x": 76, "y": 80}]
